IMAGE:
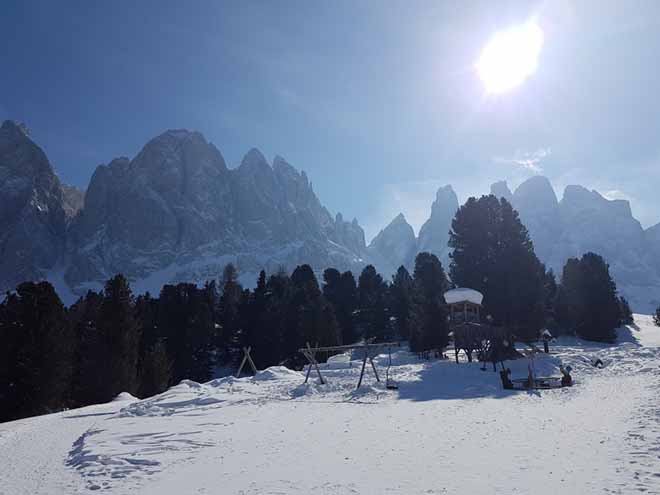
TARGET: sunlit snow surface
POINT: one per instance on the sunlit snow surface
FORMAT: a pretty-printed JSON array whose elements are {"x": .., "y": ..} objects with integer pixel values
[{"x": 448, "y": 429}]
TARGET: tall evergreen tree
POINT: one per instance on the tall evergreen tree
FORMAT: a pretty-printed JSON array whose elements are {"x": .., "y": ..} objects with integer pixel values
[
  {"x": 155, "y": 370},
  {"x": 90, "y": 350},
  {"x": 340, "y": 290},
  {"x": 38, "y": 346},
  {"x": 120, "y": 334},
  {"x": 656, "y": 316},
  {"x": 228, "y": 310},
  {"x": 186, "y": 319},
  {"x": 275, "y": 326},
  {"x": 429, "y": 327},
  {"x": 492, "y": 253},
  {"x": 314, "y": 316},
  {"x": 373, "y": 312},
  {"x": 588, "y": 303},
  {"x": 401, "y": 302}
]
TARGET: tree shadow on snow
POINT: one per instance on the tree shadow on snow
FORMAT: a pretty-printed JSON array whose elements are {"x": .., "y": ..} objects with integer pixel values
[{"x": 447, "y": 380}]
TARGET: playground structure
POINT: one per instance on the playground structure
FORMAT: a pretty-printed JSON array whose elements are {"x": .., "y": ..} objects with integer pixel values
[
  {"x": 472, "y": 335},
  {"x": 368, "y": 351}
]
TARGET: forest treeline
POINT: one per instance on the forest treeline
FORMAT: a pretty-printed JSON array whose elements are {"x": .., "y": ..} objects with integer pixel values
[{"x": 53, "y": 357}]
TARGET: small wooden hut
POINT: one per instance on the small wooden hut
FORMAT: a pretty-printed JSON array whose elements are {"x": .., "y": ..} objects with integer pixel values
[
  {"x": 470, "y": 333},
  {"x": 464, "y": 305}
]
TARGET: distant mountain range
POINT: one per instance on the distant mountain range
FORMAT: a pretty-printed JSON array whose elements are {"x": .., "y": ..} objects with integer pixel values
[{"x": 176, "y": 212}]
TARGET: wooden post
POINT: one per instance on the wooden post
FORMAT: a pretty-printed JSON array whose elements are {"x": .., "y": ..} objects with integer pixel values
[
  {"x": 309, "y": 367},
  {"x": 374, "y": 368},
  {"x": 249, "y": 358},
  {"x": 364, "y": 364},
  {"x": 246, "y": 358},
  {"x": 315, "y": 363}
]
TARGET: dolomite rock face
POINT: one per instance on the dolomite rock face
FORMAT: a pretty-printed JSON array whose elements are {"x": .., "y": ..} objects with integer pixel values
[
  {"x": 32, "y": 217},
  {"x": 394, "y": 246},
  {"x": 177, "y": 213},
  {"x": 434, "y": 234}
]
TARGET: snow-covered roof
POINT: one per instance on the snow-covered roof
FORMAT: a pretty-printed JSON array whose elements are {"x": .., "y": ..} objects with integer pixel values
[{"x": 463, "y": 295}]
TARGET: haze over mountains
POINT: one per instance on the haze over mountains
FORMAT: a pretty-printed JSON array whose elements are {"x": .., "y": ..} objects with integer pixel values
[{"x": 176, "y": 212}]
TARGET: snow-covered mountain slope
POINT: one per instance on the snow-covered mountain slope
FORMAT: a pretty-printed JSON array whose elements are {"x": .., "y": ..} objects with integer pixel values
[
  {"x": 173, "y": 213},
  {"x": 448, "y": 429}
]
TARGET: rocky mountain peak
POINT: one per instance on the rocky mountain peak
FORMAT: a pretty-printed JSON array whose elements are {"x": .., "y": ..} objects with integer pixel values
[
  {"x": 32, "y": 216},
  {"x": 434, "y": 234},
  {"x": 537, "y": 193},
  {"x": 395, "y": 245},
  {"x": 254, "y": 162},
  {"x": 501, "y": 189}
]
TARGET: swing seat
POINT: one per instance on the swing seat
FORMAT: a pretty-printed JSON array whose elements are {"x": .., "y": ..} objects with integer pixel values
[{"x": 391, "y": 386}]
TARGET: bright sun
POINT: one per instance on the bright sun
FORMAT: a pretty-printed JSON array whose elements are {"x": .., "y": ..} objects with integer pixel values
[{"x": 510, "y": 57}]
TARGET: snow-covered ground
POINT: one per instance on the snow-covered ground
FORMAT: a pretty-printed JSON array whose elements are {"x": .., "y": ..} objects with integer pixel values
[{"x": 448, "y": 429}]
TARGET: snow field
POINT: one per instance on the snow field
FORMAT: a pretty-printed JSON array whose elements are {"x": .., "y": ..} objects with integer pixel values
[{"x": 448, "y": 429}]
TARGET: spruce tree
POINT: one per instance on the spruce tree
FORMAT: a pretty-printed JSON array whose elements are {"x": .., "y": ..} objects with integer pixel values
[
  {"x": 38, "y": 346},
  {"x": 401, "y": 302},
  {"x": 228, "y": 310},
  {"x": 373, "y": 312},
  {"x": 588, "y": 304},
  {"x": 275, "y": 326},
  {"x": 340, "y": 290},
  {"x": 90, "y": 349},
  {"x": 155, "y": 370},
  {"x": 186, "y": 319},
  {"x": 257, "y": 329},
  {"x": 315, "y": 318},
  {"x": 429, "y": 327},
  {"x": 656, "y": 316},
  {"x": 120, "y": 335},
  {"x": 492, "y": 253}
]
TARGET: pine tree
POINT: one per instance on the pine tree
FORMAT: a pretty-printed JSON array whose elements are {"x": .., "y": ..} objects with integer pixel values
[
  {"x": 656, "y": 316},
  {"x": 401, "y": 297},
  {"x": 275, "y": 327},
  {"x": 257, "y": 328},
  {"x": 340, "y": 290},
  {"x": 187, "y": 321},
  {"x": 38, "y": 346},
  {"x": 316, "y": 322},
  {"x": 120, "y": 334},
  {"x": 228, "y": 310},
  {"x": 492, "y": 253},
  {"x": 155, "y": 370},
  {"x": 373, "y": 312},
  {"x": 90, "y": 350},
  {"x": 429, "y": 327},
  {"x": 588, "y": 303}
]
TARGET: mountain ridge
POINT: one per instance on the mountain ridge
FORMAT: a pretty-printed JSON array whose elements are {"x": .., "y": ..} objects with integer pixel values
[{"x": 176, "y": 212}]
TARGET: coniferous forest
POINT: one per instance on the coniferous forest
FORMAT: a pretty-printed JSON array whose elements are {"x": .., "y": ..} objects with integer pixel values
[{"x": 53, "y": 357}]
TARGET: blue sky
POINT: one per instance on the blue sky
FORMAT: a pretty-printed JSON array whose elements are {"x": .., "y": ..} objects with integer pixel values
[{"x": 378, "y": 101}]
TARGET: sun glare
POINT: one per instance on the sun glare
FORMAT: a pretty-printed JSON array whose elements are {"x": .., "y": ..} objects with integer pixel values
[{"x": 510, "y": 57}]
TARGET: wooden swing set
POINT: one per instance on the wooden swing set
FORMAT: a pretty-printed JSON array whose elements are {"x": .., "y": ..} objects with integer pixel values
[{"x": 368, "y": 350}]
